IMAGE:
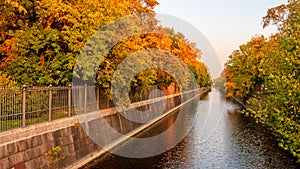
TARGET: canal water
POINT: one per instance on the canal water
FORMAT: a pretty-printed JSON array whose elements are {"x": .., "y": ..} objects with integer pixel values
[{"x": 220, "y": 138}]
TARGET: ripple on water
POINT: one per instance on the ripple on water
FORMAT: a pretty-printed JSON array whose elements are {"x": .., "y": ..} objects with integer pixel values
[{"x": 227, "y": 140}]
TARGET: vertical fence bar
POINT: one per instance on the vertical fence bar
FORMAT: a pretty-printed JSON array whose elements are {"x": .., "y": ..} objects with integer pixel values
[
  {"x": 97, "y": 106},
  {"x": 98, "y": 97},
  {"x": 50, "y": 103},
  {"x": 23, "y": 106},
  {"x": 85, "y": 98},
  {"x": 69, "y": 100}
]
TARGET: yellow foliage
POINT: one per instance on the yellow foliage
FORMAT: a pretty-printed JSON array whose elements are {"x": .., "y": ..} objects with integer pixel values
[
  {"x": 6, "y": 81},
  {"x": 15, "y": 4}
]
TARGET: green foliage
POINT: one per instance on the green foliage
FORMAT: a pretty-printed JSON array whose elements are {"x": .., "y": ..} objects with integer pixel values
[
  {"x": 41, "y": 39},
  {"x": 275, "y": 64},
  {"x": 55, "y": 151},
  {"x": 166, "y": 40},
  {"x": 6, "y": 81},
  {"x": 54, "y": 154}
]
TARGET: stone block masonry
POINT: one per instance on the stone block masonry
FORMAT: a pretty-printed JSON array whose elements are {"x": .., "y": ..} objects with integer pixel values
[
  {"x": 60, "y": 143},
  {"x": 34, "y": 146},
  {"x": 35, "y": 149}
]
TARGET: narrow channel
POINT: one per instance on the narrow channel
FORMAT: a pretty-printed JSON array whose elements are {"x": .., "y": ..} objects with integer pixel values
[{"x": 221, "y": 138}]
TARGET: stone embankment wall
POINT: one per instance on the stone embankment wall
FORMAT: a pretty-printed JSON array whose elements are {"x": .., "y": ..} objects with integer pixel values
[{"x": 61, "y": 143}]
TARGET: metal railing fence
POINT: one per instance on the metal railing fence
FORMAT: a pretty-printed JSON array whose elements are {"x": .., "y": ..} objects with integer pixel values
[{"x": 20, "y": 107}]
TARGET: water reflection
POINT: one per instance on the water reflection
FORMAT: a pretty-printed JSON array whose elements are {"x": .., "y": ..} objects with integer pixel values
[{"x": 221, "y": 138}]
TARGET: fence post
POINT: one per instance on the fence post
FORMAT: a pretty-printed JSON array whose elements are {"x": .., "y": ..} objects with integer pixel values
[
  {"x": 85, "y": 98},
  {"x": 98, "y": 97},
  {"x": 69, "y": 100},
  {"x": 24, "y": 106},
  {"x": 50, "y": 103}
]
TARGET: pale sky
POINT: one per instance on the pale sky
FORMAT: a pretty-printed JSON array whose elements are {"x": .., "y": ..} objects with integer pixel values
[{"x": 226, "y": 24}]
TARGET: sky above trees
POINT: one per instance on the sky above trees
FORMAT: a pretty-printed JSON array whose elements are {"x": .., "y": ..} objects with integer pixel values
[{"x": 226, "y": 23}]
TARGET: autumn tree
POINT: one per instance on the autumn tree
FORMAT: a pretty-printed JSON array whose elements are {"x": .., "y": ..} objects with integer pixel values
[
  {"x": 41, "y": 39},
  {"x": 166, "y": 40},
  {"x": 274, "y": 63}
]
